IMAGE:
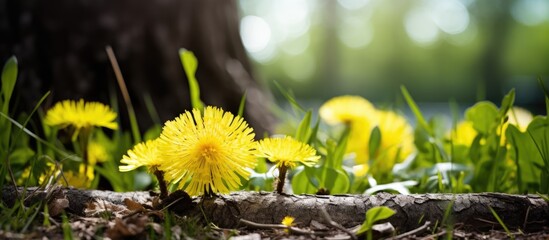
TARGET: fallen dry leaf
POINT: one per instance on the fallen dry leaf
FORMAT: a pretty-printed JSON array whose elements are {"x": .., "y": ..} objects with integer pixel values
[
  {"x": 132, "y": 226},
  {"x": 133, "y": 205},
  {"x": 56, "y": 206}
]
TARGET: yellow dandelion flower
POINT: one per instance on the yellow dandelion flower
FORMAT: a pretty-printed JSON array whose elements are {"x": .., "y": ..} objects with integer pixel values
[
  {"x": 288, "y": 221},
  {"x": 345, "y": 109},
  {"x": 520, "y": 117},
  {"x": 287, "y": 152},
  {"x": 464, "y": 134},
  {"x": 360, "y": 170},
  {"x": 81, "y": 115},
  {"x": 96, "y": 153},
  {"x": 359, "y": 137},
  {"x": 397, "y": 141},
  {"x": 85, "y": 171},
  {"x": 142, "y": 154},
  {"x": 212, "y": 151},
  {"x": 76, "y": 179}
]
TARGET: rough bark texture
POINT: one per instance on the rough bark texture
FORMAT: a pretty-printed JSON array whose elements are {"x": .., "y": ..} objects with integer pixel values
[
  {"x": 517, "y": 211},
  {"x": 527, "y": 212}
]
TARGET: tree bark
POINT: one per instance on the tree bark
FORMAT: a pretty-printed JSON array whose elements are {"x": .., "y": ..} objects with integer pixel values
[
  {"x": 525, "y": 212},
  {"x": 61, "y": 47}
]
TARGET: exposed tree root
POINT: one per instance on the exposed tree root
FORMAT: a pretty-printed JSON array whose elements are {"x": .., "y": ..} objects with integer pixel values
[{"x": 525, "y": 212}]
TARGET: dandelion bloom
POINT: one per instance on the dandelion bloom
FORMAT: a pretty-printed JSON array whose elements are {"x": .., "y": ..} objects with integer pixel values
[
  {"x": 81, "y": 115},
  {"x": 359, "y": 115},
  {"x": 361, "y": 170},
  {"x": 97, "y": 153},
  {"x": 464, "y": 134},
  {"x": 359, "y": 138},
  {"x": 211, "y": 150},
  {"x": 288, "y": 221},
  {"x": 78, "y": 179},
  {"x": 397, "y": 141},
  {"x": 519, "y": 117},
  {"x": 345, "y": 109},
  {"x": 142, "y": 154},
  {"x": 287, "y": 152}
]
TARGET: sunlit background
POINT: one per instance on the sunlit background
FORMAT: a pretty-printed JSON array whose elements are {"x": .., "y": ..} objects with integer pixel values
[{"x": 441, "y": 50}]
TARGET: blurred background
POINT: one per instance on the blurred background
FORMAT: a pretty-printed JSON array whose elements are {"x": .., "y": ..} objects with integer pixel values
[{"x": 441, "y": 50}]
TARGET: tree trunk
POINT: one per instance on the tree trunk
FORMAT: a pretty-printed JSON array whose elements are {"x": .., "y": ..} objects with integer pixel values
[
  {"x": 527, "y": 212},
  {"x": 61, "y": 47}
]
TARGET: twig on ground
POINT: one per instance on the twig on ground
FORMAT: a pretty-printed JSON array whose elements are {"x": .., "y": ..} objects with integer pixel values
[
  {"x": 281, "y": 226},
  {"x": 417, "y": 230},
  {"x": 526, "y": 218},
  {"x": 434, "y": 236},
  {"x": 334, "y": 224},
  {"x": 487, "y": 221}
]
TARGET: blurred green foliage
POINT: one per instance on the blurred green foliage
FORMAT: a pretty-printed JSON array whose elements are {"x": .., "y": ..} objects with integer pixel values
[{"x": 450, "y": 49}]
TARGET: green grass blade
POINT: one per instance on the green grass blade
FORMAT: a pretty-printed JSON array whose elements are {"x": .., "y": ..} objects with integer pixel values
[
  {"x": 544, "y": 197},
  {"x": 415, "y": 109},
  {"x": 543, "y": 88},
  {"x": 190, "y": 64},
  {"x": 546, "y": 93},
  {"x": 66, "y": 226},
  {"x": 314, "y": 132},
  {"x": 501, "y": 223},
  {"x": 9, "y": 77},
  {"x": 289, "y": 97},
  {"x": 448, "y": 212},
  {"x": 242, "y": 105},
  {"x": 149, "y": 103},
  {"x": 30, "y": 133},
  {"x": 29, "y": 117}
]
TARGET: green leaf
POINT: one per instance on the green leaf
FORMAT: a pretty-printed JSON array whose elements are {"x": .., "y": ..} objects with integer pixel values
[
  {"x": 538, "y": 130},
  {"x": 507, "y": 103},
  {"x": 303, "y": 128},
  {"x": 309, "y": 180},
  {"x": 337, "y": 181},
  {"x": 21, "y": 155},
  {"x": 526, "y": 156},
  {"x": 261, "y": 166},
  {"x": 375, "y": 142},
  {"x": 336, "y": 160},
  {"x": 483, "y": 115},
  {"x": 153, "y": 132},
  {"x": 311, "y": 176},
  {"x": 304, "y": 182},
  {"x": 190, "y": 64},
  {"x": 9, "y": 77},
  {"x": 373, "y": 215},
  {"x": 313, "y": 133}
]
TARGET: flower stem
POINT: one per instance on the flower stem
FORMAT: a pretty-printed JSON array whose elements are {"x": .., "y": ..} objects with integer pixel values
[
  {"x": 281, "y": 178},
  {"x": 161, "y": 183}
]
